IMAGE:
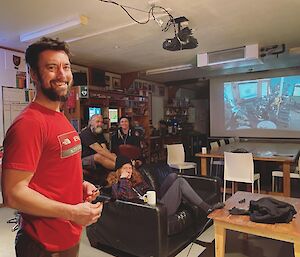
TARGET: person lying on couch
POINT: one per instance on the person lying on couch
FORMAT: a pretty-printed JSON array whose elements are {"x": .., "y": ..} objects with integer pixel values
[{"x": 128, "y": 184}]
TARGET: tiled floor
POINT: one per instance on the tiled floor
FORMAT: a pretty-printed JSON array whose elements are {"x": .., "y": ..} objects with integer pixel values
[
  {"x": 253, "y": 246},
  {"x": 236, "y": 244},
  {"x": 7, "y": 239}
]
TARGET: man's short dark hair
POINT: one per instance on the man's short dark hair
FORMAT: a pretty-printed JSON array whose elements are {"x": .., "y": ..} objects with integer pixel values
[{"x": 45, "y": 43}]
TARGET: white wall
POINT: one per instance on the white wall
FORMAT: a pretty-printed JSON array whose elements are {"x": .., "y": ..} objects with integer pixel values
[
  {"x": 157, "y": 110},
  {"x": 201, "y": 113},
  {"x": 8, "y": 73}
]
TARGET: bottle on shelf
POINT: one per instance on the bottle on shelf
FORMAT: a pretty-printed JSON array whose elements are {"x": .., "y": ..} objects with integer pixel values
[{"x": 170, "y": 126}]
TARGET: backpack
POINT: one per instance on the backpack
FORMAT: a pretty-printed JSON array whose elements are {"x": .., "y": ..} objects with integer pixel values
[{"x": 269, "y": 210}]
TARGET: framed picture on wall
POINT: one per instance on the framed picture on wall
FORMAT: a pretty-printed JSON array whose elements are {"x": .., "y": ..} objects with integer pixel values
[
  {"x": 116, "y": 83},
  {"x": 107, "y": 80}
]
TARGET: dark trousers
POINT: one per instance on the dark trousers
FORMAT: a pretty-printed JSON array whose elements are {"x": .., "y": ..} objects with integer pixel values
[
  {"x": 174, "y": 189},
  {"x": 28, "y": 247}
]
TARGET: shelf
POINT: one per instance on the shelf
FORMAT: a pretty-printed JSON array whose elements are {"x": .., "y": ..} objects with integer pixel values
[
  {"x": 177, "y": 115},
  {"x": 177, "y": 107}
]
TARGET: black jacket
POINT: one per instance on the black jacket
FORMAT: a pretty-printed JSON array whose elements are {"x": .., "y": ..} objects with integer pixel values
[{"x": 269, "y": 210}]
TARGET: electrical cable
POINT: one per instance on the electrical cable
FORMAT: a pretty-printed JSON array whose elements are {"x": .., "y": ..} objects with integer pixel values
[
  {"x": 202, "y": 230},
  {"x": 150, "y": 12}
]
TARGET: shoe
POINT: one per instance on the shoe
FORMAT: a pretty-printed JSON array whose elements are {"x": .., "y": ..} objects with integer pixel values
[{"x": 216, "y": 206}]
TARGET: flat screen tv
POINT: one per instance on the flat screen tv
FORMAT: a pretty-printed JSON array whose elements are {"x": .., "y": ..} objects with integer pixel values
[
  {"x": 93, "y": 110},
  {"x": 113, "y": 115}
]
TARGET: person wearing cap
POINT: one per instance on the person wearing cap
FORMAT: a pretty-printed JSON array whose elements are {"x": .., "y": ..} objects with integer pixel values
[
  {"x": 128, "y": 184},
  {"x": 125, "y": 136}
]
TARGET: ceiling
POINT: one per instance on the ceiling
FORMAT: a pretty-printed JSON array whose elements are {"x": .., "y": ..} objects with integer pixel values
[{"x": 113, "y": 42}]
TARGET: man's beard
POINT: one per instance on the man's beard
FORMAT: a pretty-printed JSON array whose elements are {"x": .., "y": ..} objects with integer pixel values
[
  {"x": 51, "y": 94},
  {"x": 97, "y": 130}
]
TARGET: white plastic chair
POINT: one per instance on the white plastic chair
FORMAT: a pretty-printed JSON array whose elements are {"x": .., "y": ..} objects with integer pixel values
[
  {"x": 237, "y": 139},
  {"x": 176, "y": 158},
  {"x": 279, "y": 174},
  {"x": 222, "y": 142},
  {"x": 239, "y": 167},
  {"x": 215, "y": 161},
  {"x": 231, "y": 140}
]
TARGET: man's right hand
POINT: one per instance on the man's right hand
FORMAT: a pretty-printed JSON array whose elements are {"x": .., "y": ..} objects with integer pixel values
[{"x": 86, "y": 213}]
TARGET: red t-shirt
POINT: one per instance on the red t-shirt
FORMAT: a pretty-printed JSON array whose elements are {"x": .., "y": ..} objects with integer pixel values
[{"x": 44, "y": 142}]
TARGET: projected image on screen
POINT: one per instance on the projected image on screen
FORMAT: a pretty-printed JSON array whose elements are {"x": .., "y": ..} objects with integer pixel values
[
  {"x": 270, "y": 103},
  {"x": 248, "y": 90}
]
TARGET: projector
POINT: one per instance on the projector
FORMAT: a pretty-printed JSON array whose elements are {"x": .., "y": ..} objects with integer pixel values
[
  {"x": 174, "y": 44},
  {"x": 182, "y": 40}
]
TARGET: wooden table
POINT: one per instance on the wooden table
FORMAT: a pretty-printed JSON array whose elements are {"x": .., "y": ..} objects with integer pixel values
[
  {"x": 284, "y": 153},
  {"x": 223, "y": 220}
]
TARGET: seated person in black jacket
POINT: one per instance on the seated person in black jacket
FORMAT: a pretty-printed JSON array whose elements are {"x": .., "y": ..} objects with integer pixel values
[
  {"x": 128, "y": 184},
  {"x": 95, "y": 155},
  {"x": 124, "y": 136}
]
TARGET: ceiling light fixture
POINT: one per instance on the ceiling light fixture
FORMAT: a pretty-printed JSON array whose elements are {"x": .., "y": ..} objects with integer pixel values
[
  {"x": 108, "y": 30},
  {"x": 170, "y": 69},
  {"x": 66, "y": 25}
]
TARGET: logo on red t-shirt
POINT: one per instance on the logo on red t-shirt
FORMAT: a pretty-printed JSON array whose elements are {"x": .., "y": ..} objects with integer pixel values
[{"x": 69, "y": 144}]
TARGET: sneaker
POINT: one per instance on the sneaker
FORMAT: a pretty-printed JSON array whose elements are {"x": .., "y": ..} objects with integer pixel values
[{"x": 218, "y": 205}]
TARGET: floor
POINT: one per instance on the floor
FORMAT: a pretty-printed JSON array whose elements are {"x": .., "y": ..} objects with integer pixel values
[
  {"x": 237, "y": 245},
  {"x": 7, "y": 238}
]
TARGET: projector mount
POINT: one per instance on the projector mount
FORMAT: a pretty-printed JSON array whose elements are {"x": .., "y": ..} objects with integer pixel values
[{"x": 183, "y": 38}]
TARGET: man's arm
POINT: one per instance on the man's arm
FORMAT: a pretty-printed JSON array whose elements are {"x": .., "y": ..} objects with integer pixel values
[
  {"x": 102, "y": 149},
  {"x": 18, "y": 195}
]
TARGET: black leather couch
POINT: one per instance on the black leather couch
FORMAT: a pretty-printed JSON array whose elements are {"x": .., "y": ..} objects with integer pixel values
[{"x": 137, "y": 229}]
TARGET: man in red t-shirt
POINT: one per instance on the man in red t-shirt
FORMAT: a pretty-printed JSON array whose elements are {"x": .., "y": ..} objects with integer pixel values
[{"x": 42, "y": 173}]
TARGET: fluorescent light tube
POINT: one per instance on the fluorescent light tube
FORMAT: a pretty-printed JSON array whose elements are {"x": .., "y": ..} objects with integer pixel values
[
  {"x": 80, "y": 20},
  {"x": 169, "y": 69}
]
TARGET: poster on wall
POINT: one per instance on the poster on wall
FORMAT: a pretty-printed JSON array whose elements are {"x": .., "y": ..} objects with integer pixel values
[
  {"x": 21, "y": 79},
  {"x": 14, "y": 100},
  {"x": 116, "y": 83},
  {"x": 15, "y": 61}
]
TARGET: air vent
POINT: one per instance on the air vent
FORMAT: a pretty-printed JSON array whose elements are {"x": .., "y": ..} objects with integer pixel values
[{"x": 234, "y": 55}]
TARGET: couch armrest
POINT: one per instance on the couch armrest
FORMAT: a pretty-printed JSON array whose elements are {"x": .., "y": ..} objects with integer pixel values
[
  {"x": 209, "y": 188},
  {"x": 138, "y": 229}
]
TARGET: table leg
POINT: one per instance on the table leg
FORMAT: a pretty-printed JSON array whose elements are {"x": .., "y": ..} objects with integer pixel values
[
  {"x": 297, "y": 249},
  {"x": 286, "y": 179},
  {"x": 203, "y": 166},
  {"x": 220, "y": 238}
]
